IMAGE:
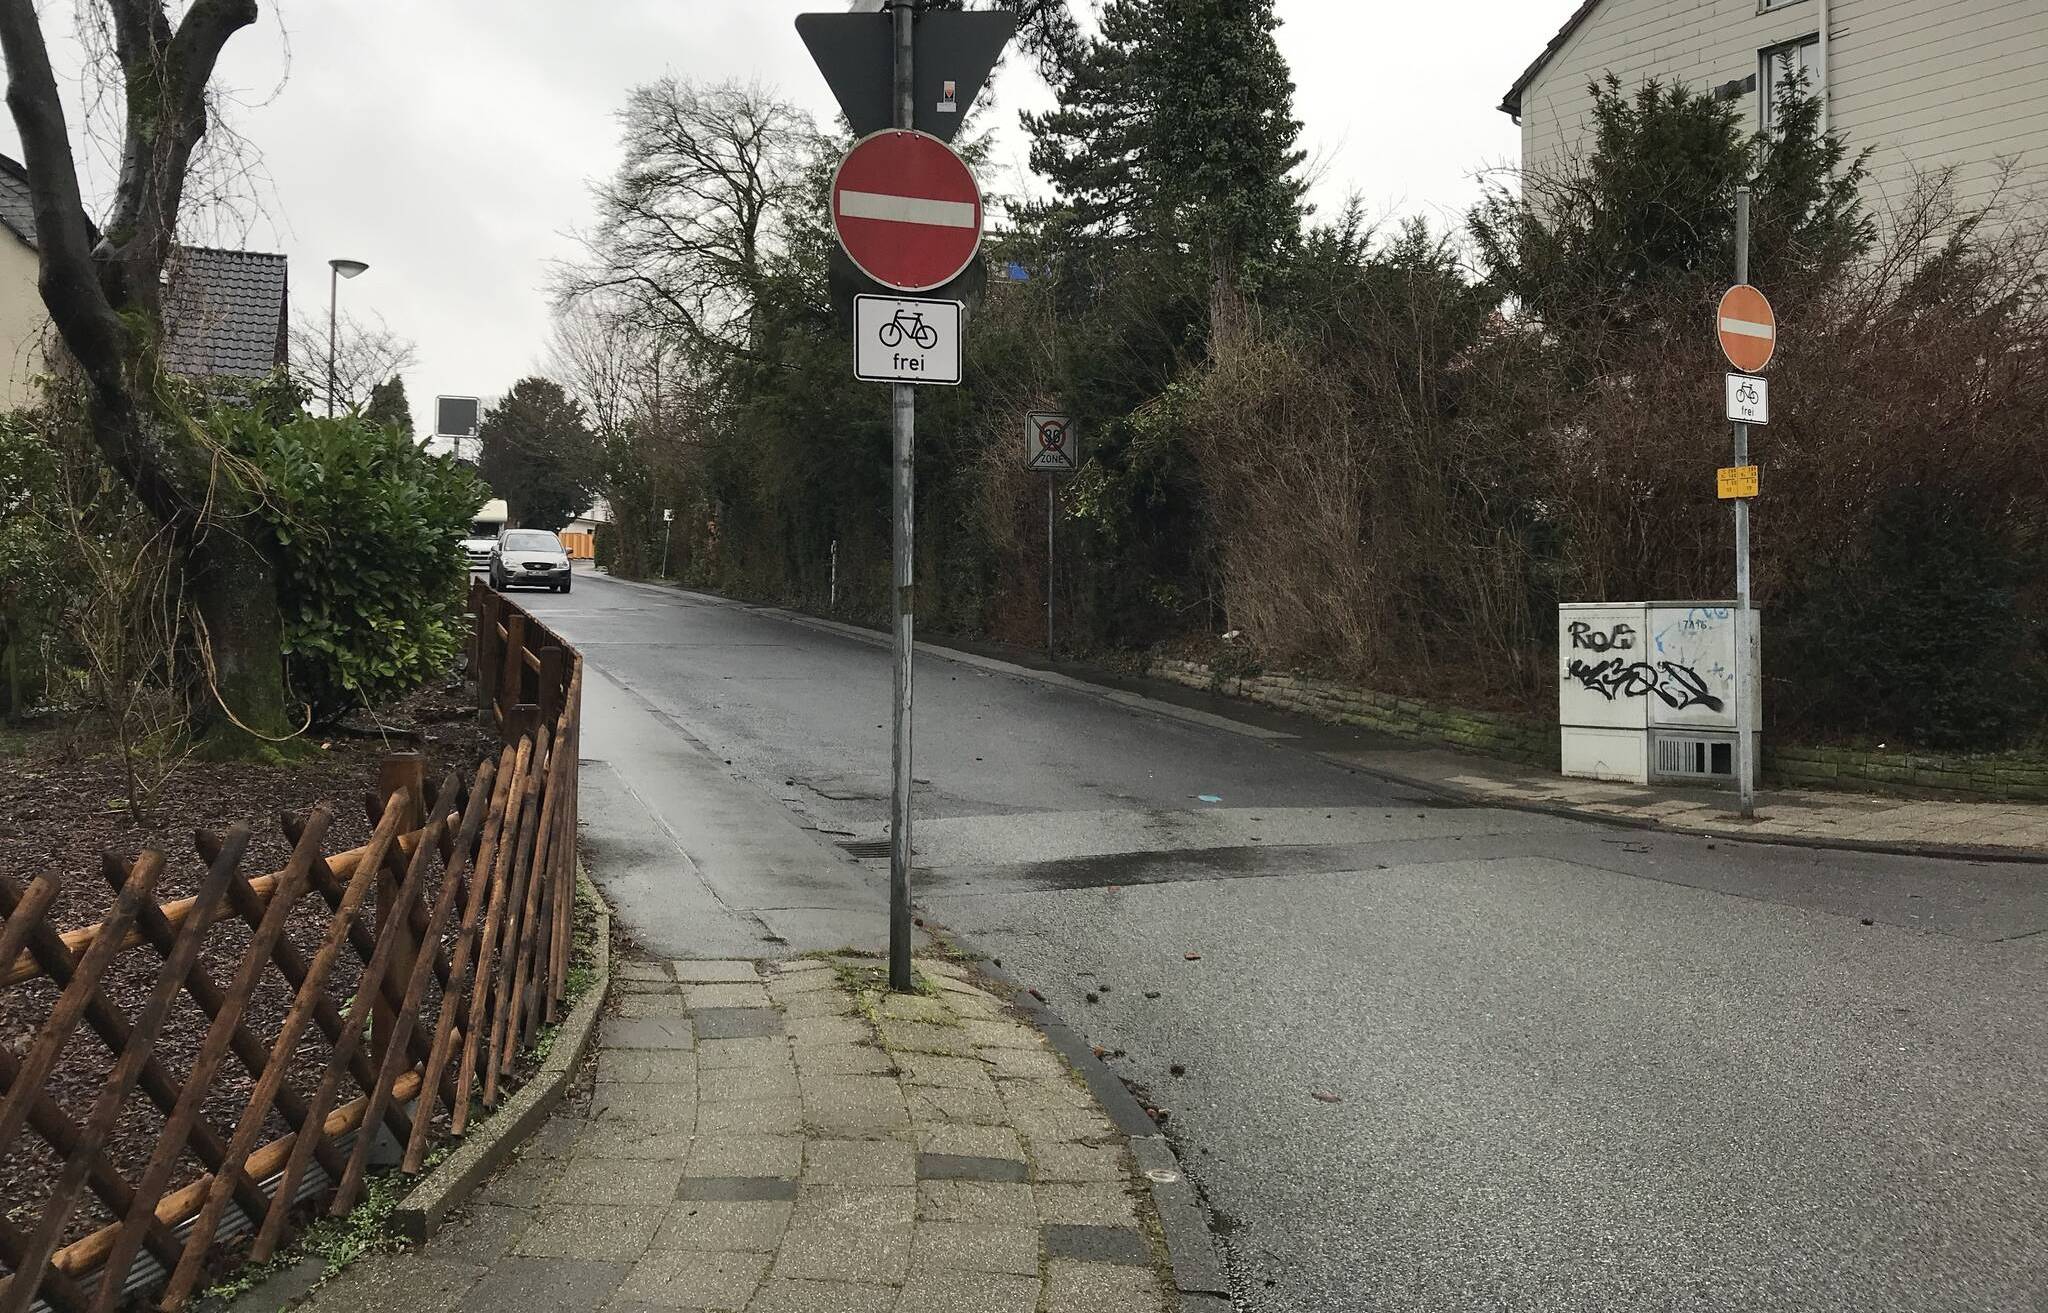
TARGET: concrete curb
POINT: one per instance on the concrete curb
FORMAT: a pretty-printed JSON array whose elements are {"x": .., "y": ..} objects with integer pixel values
[
  {"x": 1183, "y": 1222},
  {"x": 1567, "y": 811},
  {"x": 486, "y": 1148}
]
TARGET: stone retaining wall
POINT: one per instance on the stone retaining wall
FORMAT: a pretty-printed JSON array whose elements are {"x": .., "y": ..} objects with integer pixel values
[{"x": 1516, "y": 738}]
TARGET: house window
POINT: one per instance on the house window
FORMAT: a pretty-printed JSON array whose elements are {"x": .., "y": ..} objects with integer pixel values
[{"x": 1776, "y": 63}]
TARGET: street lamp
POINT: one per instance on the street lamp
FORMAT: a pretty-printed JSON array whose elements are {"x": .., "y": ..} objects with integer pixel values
[{"x": 342, "y": 269}]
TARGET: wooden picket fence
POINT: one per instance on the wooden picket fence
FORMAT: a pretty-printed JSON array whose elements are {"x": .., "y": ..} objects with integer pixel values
[{"x": 459, "y": 912}]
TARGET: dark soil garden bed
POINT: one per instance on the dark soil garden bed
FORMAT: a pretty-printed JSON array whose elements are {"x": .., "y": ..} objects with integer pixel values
[{"x": 62, "y": 805}]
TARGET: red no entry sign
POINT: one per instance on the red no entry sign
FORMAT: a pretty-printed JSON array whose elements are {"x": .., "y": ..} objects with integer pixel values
[
  {"x": 907, "y": 209},
  {"x": 1747, "y": 327}
]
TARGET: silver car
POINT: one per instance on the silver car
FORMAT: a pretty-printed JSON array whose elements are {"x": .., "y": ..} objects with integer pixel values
[{"x": 529, "y": 558}]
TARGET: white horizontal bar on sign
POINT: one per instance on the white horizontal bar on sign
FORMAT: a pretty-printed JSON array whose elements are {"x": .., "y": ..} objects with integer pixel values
[
  {"x": 1747, "y": 328},
  {"x": 905, "y": 209}
]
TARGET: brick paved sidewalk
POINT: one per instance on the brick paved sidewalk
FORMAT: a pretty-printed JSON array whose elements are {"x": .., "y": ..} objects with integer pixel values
[
  {"x": 779, "y": 1138},
  {"x": 1804, "y": 815}
]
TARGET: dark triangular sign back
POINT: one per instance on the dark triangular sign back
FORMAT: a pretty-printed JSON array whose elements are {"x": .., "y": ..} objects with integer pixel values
[{"x": 856, "y": 53}]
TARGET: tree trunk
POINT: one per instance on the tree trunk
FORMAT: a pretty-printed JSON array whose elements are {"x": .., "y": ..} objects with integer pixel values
[{"x": 239, "y": 704}]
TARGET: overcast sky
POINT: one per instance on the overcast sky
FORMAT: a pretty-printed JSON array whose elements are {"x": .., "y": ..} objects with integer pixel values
[{"x": 449, "y": 143}]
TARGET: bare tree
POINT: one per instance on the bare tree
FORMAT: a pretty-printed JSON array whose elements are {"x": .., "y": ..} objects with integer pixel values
[
  {"x": 366, "y": 353},
  {"x": 104, "y": 295},
  {"x": 689, "y": 227}
]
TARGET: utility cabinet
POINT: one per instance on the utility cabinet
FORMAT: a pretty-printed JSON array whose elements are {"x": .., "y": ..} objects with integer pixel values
[{"x": 1646, "y": 690}]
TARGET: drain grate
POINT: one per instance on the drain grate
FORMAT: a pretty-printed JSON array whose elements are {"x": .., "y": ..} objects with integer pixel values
[{"x": 865, "y": 847}]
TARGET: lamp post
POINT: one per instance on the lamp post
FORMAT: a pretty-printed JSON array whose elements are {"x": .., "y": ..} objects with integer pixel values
[{"x": 342, "y": 269}]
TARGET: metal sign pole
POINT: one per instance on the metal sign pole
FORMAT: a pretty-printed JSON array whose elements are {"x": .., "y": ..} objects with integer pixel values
[
  {"x": 1745, "y": 748},
  {"x": 903, "y": 411},
  {"x": 1049, "y": 481}
]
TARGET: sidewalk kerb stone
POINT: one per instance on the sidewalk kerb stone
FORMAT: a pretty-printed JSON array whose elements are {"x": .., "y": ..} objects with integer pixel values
[{"x": 488, "y": 1144}]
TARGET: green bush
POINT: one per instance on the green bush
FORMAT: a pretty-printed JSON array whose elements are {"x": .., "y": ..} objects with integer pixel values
[
  {"x": 31, "y": 586},
  {"x": 365, "y": 527},
  {"x": 1919, "y": 635}
]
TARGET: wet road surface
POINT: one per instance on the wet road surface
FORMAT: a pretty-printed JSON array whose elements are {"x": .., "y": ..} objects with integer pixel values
[{"x": 1428, "y": 1056}]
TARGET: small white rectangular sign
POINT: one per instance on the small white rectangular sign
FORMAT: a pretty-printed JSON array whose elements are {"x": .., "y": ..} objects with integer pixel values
[
  {"x": 1749, "y": 399},
  {"x": 900, "y": 340}
]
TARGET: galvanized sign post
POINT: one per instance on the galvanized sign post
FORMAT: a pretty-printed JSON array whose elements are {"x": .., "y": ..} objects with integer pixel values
[
  {"x": 1050, "y": 448},
  {"x": 1748, "y": 332},
  {"x": 907, "y": 213}
]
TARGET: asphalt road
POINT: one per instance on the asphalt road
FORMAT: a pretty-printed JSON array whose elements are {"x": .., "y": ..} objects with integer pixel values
[{"x": 1429, "y": 1057}]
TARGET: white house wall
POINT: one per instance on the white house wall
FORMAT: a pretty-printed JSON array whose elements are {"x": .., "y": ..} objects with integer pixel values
[
  {"x": 1927, "y": 83},
  {"x": 22, "y": 322}
]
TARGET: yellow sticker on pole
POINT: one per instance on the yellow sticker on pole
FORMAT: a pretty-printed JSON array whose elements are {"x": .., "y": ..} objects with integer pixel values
[{"x": 1735, "y": 481}]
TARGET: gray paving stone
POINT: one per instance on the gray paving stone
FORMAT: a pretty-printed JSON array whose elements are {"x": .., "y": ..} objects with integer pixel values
[
  {"x": 786, "y": 985},
  {"x": 1001, "y": 1035},
  {"x": 923, "y": 1037},
  {"x": 662, "y": 985},
  {"x": 519, "y": 1184},
  {"x": 737, "y": 1189},
  {"x": 857, "y": 1207},
  {"x": 746, "y": 1155},
  {"x": 818, "y": 1003},
  {"x": 745, "y": 1225},
  {"x": 695, "y": 1279},
  {"x": 557, "y": 1138},
  {"x": 647, "y": 1033},
  {"x": 967, "y": 1167},
  {"x": 657, "y": 1106},
  {"x": 1090, "y": 1204},
  {"x": 716, "y": 1054},
  {"x": 535, "y": 1285},
  {"x": 1098, "y": 1244},
  {"x": 715, "y": 973},
  {"x": 663, "y": 1004},
  {"x": 661, "y": 1066},
  {"x": 727, "y": 996},
  {"x": 1037, "y": 1093},
  {"x": 938, "y": 1290},
  {"x": 1062, "y": 1126},
  {"x": 975, "y": 1247},
  {"x": 1043, "y": 1063},
  {"x": 723, "y": 1084},
  {"x": 629, "y": 1140},
  {"x": 937, "y": 1103},
  {"x": 612, "y": 1181},
  {"x": 782, "y": 1295},
  {"x": 636, "y": 968},
  {"x": 589, "y": 1231},
  {"x": 827, "y": 1089},
  {"x": 765, "y": 1116},
  {"x": 1053, "y": 1161},
  {"x": 829, "y": 1030},
  {"x": 970, "y": 1141},
  {"x": 844, "y": 1060},
  {"x": 823, "y": 1251},
  {"x": 954, "y": 1073},
  {"x": 859, "y": 1162},
  {"x": 976, "y": 1201},
  {"x": 399, "y": 1282},
  {"x": 483, "y": 1233},
  {"x": 736, "y": 1023},
  {"x": 916, "y": 1007},
  {"x": 1098, "y": 1288},
  {"x": 282, "y": 1289}
]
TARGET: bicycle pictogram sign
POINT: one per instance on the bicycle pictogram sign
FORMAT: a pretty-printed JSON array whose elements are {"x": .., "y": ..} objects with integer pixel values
[{"x": 907, "y": 323}]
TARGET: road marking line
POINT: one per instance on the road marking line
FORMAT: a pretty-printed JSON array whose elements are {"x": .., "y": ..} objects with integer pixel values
[
  {"x": 905, "y": 209},
  {"x": 1747, "y": 328}
]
